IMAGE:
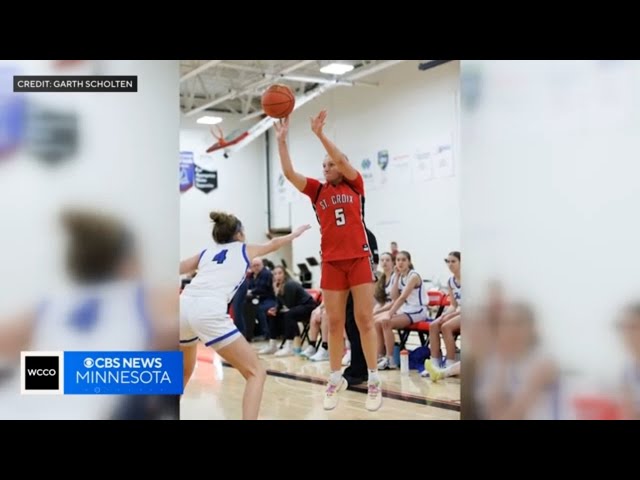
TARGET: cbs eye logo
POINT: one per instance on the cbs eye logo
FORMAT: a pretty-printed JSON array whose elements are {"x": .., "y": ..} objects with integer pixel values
[{"x": 41, "y": 373}]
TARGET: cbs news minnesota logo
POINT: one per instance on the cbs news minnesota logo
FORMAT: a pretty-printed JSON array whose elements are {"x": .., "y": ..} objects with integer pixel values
[{"x": 101, "y": 373}]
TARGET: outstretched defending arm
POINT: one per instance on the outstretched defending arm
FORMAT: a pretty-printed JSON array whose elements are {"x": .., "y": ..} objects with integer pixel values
[{"x": 254, "y": 251}]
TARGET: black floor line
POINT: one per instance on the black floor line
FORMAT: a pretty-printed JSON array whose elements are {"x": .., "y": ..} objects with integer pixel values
[{"x": 404, "y": 397}]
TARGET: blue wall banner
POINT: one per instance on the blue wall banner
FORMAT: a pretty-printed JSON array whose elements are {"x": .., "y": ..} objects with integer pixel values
[{"x": 187, "y": 171}]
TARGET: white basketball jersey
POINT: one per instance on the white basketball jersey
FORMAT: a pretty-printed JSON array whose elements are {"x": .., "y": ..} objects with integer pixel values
[
  {"x": 415, "y": 298},
  {"x": 104, "y": 317},
  {"x": 98, "y": 318},
  {"x": 388, "y": 285},
  {"x": 457, "y": 290},
  {"x": 221, "y": 271}
]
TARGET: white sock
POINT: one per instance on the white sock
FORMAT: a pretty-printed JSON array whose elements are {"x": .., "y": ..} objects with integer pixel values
[
  {"x": 449, "y": 363},
  {"x": 373, "y": 376},
  {"x": 448, "y": 371},
  {"x": 435, "y": 362},
  {"x": 335, "y": 377}
]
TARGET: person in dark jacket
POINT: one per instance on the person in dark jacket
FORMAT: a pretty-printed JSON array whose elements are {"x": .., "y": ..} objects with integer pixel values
[
  {"x": 294, "y": 305},
  {"x": 238, "y": 305},
  {"x": 260, "y": 293}
]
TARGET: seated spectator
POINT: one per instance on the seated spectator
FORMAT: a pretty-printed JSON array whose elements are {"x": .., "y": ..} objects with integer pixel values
[
  {"x": 294, "y": 305},
  {"x": 318, "y": 324},
  {"x": 408, "y": 307},
  {"x": 383, "y": 297},
  {"x": 260, "y": 293},
  {"x": 448, "y": 324}
]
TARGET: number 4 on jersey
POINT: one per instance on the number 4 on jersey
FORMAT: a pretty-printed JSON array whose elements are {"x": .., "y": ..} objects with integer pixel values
[
  {"x": 220, "y": 257},
  {"x": 340, "y": 219},
  {"x": 86, "y": 315}
]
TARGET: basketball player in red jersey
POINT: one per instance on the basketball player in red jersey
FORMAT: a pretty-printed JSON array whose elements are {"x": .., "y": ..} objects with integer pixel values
[{"x": 346, "y": 256}]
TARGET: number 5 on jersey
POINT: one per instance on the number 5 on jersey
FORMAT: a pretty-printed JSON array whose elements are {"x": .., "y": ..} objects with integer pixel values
[{"x": 340, "y": 218}]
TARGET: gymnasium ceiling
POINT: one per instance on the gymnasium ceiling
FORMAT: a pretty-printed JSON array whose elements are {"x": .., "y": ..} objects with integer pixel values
[{"x": 235, "y": 86}]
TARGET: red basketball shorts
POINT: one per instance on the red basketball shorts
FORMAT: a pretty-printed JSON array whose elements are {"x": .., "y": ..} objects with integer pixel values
[{"x": 344, "y": 274}]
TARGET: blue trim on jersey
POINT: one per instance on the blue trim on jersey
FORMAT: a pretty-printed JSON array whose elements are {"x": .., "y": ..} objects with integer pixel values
[
  {"x": 407, "y": 277},
  {"x": 409, "y": 315},
  {"x": 237, "y": 287},
  {"x": 226, "y": 335},
  {"x": 420, "y": 295},
  {"x": 189, "y": 341},
  {"x": 85, "y": 316},
  {"x": 201, "y": 254},
  {"x": 141, "y": 306},
  {"x": 244, "y": 274},
  {"x": 244, "y": 254}
]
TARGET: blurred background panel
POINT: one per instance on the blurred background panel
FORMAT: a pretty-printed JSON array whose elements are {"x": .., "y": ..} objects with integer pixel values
[
  {"x": 89, "y": 244},
  {"x": 549, "y": 197}
]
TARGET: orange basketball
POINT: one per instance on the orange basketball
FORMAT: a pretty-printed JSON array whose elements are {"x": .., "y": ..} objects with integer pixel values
[{"x": 278, "y": 101}]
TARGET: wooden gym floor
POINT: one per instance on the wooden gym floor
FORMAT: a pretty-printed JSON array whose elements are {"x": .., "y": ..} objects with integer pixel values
[{"x": 294, "y": 388}]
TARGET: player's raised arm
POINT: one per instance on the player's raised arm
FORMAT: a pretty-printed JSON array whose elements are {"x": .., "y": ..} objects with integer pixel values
[
  {"x": 340, "y": 159},
  {"x": 299, "y": 181}
]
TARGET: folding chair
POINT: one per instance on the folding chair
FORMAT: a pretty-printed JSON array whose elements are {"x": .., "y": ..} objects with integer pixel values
[{"x": 317, "y": 296}]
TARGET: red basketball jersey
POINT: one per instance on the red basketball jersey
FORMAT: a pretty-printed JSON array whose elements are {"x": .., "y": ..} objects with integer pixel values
[{"x": 340, "y": 212}]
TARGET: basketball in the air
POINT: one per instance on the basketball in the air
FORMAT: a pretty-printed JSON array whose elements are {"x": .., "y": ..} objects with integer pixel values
[{"x": 278, "y": 101}]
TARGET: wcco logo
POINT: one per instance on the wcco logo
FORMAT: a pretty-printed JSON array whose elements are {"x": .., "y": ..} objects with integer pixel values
[{"x": 41, "y": 372}]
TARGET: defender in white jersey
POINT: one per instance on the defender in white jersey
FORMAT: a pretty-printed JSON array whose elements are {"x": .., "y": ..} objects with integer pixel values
[
  {"x": 630, "y": 329},
  {"x": 407, "y": 306},
  {"x": 205, "y": 301},
  {"x": 105, "y": 308},
  {"x": 221, "y": 269},
  {"x": 448, "y": 325}
]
